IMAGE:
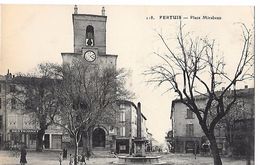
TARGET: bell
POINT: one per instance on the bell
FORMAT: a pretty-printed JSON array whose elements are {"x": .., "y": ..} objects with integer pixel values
[{"x": 89, "y": 42}]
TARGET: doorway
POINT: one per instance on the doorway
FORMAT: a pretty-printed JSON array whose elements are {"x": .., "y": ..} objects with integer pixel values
[
  {"x": 99, "y": 137},
  {"x": 47, "y": 141}
]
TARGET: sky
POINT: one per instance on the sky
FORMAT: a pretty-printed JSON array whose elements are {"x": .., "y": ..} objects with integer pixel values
[{"x": 31, "y": 34}]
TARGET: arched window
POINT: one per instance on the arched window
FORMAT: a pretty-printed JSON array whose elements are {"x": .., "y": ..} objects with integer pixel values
[{"x": 90, "y": 35}]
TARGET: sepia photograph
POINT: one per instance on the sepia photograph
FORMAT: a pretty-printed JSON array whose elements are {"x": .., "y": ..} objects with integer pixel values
[{"x": 128, "y": 84}]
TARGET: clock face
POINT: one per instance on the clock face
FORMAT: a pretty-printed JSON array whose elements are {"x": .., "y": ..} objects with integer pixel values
[{"x": 90, "y": 56}]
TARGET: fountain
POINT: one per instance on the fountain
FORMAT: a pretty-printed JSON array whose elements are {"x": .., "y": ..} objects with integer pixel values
[{"x": 139, "y": 156}]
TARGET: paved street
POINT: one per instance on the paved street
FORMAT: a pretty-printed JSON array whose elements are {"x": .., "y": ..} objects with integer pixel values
[{"x": 51, "y": 158}]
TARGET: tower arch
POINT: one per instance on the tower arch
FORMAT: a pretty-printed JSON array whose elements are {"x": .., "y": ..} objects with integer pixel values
[
  {"x": 99, "y": 137},
  {"x": 90, "y": 38}
]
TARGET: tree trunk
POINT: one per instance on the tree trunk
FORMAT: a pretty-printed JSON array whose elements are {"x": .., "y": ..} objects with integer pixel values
[
  {"x": 76, "y": 151},
  {"x": 214, "y": 149},
  {"x": 248, "y": 150},
  {"x": 90, "y": 138},
  {"x": 39, "y": 142},
  {"x": 85, "y": 142}
]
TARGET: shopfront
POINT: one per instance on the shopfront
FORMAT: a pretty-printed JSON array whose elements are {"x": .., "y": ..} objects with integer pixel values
[
  {"x": 52, "y": 141},
  {"x": 27, "y": 137}
]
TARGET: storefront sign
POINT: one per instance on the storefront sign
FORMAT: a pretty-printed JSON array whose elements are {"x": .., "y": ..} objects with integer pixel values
[{"x": 24, "y": 130}]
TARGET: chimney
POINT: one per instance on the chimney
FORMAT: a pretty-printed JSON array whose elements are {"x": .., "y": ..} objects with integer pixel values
[
  {"x": 223, "y": 88},
  {"x": 8, "y": 75},
  {"x": 139, "y": 120},
  {"x": 75, "y": 9},
  {"x": 246, "y": 86},
  {"x": 103, "y": 11}
]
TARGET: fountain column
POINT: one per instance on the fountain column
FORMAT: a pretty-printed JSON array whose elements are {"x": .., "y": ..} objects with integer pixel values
[
  {"x": 139, "y": 141},
  {"x": 139, "y": 157}
]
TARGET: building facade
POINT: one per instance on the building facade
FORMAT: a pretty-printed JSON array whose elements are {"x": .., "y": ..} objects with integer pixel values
[
  {"x": 187, "y": 135},
  {"x": 127, "y": 127},
  {"x": 19, "y": 128},
  {"x": 186, "y": 129}
]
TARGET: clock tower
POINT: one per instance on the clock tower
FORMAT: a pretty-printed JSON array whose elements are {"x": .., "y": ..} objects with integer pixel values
[
  {"x": 90, "y": 40},
  {"x": 90, "y": 49}
]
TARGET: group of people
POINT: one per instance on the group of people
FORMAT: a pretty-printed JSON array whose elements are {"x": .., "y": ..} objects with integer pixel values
[
  {"x": 63, "y": 155},
  {"x": 81, "y": 158}
]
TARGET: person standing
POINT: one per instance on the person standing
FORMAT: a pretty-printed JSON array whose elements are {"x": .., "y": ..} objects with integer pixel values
[
  {"x": 60, "y": 158},
  {"x": 71, "y": 160},
  {"x": 23, "y": 160},
  {"x": 88, "y": 154},
  {"x": 64, "y": 154},
  {"x": 195, "y": 150}
]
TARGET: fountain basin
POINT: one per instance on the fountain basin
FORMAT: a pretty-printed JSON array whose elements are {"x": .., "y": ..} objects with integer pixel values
[{"x": 125, "y": 160}]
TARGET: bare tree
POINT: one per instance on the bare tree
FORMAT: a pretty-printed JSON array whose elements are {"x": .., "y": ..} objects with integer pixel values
[
  {"x": 194, "y": 68},
  {"x": 36, "y": 95},
  {"x": 87, "y": 95}
]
